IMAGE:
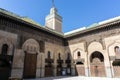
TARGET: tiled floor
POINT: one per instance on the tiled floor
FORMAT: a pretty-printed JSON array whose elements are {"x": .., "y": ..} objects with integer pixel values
[{"x": 75, "y": 78}]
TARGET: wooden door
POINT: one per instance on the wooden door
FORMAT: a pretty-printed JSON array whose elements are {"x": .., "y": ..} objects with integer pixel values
[
  {"x": 97, "y": 67},
  {"x": 116, "y": 67},
  {"x": 116, "y": 71},
  {"x": 4, "y": 70},
  {"x": 48, "y": 71},
  {"x": 98, "y": 71},
  {"x": 59, "y": 71},
  {"x": 30, "y": 66},
  {"x": 80, "y": 70}
]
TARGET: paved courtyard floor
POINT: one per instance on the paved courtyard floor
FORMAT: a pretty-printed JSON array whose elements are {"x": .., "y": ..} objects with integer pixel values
[{"x": 75, "y": 78}]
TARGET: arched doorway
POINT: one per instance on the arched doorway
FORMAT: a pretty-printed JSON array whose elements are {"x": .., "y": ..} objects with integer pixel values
[
  {"x": 30, "y": 48},
  {"x": 97, "y": 67}
]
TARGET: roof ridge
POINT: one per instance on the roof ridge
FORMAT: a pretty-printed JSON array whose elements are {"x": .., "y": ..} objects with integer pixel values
[
  {"x": 93, "y": 25},
  {"x": 29, "y": 20}
]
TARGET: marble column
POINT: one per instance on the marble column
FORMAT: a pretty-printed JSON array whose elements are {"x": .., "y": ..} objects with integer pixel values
[
  {"x": 73, "y": 73},
  {"x": 18, "y": 64},
  {"x": 55, "y": 70},
  {"x": 38, "y": 73},
  {"x": 43, "y": 65},
  {"x": 112, "y": 70},
  {"x": 108, "y": 71},
  {"x": 87, "y": 71},
  {"x": 42, "y": 72},
  {"x": 38, "y": 65}
]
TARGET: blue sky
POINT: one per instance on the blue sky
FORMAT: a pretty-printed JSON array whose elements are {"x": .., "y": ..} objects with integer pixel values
[{"x": 75, "y": 13}]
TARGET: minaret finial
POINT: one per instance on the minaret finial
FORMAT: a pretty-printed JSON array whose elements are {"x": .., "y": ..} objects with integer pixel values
[{"x": 53, "y": 5}]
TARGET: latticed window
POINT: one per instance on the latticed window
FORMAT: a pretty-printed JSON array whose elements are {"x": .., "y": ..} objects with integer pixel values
[
  {"x": 4, "y": 49},
  {"x": 97, "y": 55},
  {"x": 59, "y": 56},
  {"x": 68, "y": 56},
  {"x": 49, "y": 54},
  {"x": 78, "y": 54},
  {"x": 42, "y": 46},
  {"x": 117, "y": 50}
]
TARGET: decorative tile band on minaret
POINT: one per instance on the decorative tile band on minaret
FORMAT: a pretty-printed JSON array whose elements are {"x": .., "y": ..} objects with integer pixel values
[{"x": 54, "y": 20}]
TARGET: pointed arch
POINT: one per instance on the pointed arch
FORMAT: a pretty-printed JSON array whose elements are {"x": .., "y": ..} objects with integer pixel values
[
  {"x": 98, "y": 55},
  {"x": 114, "y": 49},
  {"x": 77, "y": 53},
  {"x": 8, "y": 44},
  {"x": 31, "y": 45},
  {"x": 97, "y": 66},
  {"x": 95, "y": 46}
]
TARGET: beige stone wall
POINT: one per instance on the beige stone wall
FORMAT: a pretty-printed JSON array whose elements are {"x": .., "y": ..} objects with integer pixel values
[
  {"x": 18, "y": 61},
  {"x": 58, "y": 25},
  {"x": 18, "y": 64},
  {"x": 55, "y": 50},
  {"x": 8, "y": 38},
  {"x": 54, "y": 24},
  {"x": 11, "y": 40},
  {"x": 30, "y": 45},
  {"x": 75, "y": 48},
  {"x": 85, "y": 55},
  {"x": 50, "y": 24},
  {"x": 111, "y": 42},
  {"x": 107, "y": 51},
  {"x": 104, "y": 45}
]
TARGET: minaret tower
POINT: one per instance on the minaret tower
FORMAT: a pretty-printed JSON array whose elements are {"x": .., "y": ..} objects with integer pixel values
[{"x": 54, "y": 20}]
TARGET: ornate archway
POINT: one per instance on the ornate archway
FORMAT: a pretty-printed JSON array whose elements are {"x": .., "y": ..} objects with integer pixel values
[
  {"x": 97, "y": 67},
  {"x": 30, "y": 48}
]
